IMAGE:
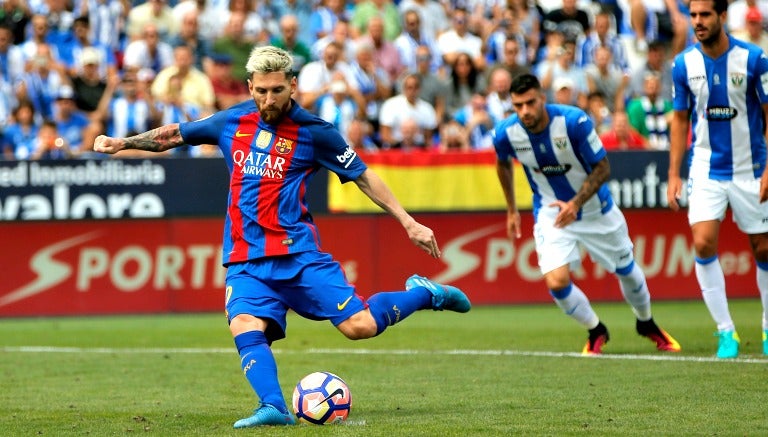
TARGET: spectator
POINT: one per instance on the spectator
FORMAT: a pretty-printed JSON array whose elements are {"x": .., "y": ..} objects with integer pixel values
[
  {"x": 196, "y": 87},
  {"x": 598, "y": 111},
  {"x": 385, "y": 10},
  {"x": 107, "y": 19},
  {"x": 509, "y": 61},
  {"x": 654, "y": 20},
  {"x": 155, "y": 13},
  {"x": 226, "y": 88},
  {"x": 432, "y": 17},
  {"x": 411, "y": 38},
  {"x": 315, "y": 78},
  {"x": 737, "y": 13},
  {"x": 49, "y": 144},
  {"x": 324, "y": 19},
  {"x": 529, "y": 20},
  {"x": 127, "y": 112},
  {"x": 433, "y": 88},
  {"x": 478, "y": 122},
  {"x": 253, "y": 30},
  {"x": 82, "y": 31},
  {"x": 60, "y": 20},
  {"x": 411, "y": 137},
  {"x": 340, "y": 35},
  {"x": 560, "y": 64},
  {"x": 290, "y": 42},
  {"x": 233, "y": 43},
  {"x": 465, "y": 80},
  {"x": 499, "y": 101},
  {"x": 622, "y": 136},
  {"x": 15, "y": 15},
  {"x": 569, "y": 20},
  {"x": 602, "y": 36},
  {"x": 39, "y": 36},
  {"x": 19, "y": 135},
  {"x": 459, "y": 40},
  {"x": 70, "y": 122},
  {"x": 385, "y": 53},
  {"x": 754, "y": 31},
  {"x": 564, "y": 91},
  {"x": 172, "y": 108},
  {"x": 604, "y": 76},
  {"x": 372, "y": 82},
  {"x": 650, "y": 113},
  {"x": 453, "y": 137},
  {"x": 658, "y": 63},
  {"x": 42, "y": 82},
  {"x": 189, "y": 35},
  {"x": 405, "y": 108},
  {"x": 149, "y": 51},
  {"x": 11, "y": 57},
  {"x": 360, "y": 136},
  {"x": 88, "y": 85},
  {"x": 302, "y": 11},
  {"x": 505, "y": 29},
  {"x": 338, "y": 108}
]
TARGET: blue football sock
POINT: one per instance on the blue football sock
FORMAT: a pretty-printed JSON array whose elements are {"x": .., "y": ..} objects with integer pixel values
[
  {"x": 260, "y": 368},
  {"x": 388, "y": 308}
]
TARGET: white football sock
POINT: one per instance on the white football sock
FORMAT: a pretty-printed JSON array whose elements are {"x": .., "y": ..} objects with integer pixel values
[
  {"x": 635, "y": 291},
  {"x": 576, "y": 305},
  {"x": 712, "y": 282}
]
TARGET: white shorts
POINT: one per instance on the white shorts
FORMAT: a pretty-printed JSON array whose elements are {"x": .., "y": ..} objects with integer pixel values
[
  {"x": 708, "y": 199},
  {"x": 604, "y": 236}
]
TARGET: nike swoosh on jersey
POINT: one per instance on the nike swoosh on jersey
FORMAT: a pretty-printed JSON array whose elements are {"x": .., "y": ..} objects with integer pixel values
[
  {"x": 343, "y": 305},
  {"x": 239, "y": 134}
]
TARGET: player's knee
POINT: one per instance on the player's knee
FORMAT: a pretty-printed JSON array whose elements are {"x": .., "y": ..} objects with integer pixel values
[
  {"x": 246, "y": 322},
  {"x": 358, "y": 327}
]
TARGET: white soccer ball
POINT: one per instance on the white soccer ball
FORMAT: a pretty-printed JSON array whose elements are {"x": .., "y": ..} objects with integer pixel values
[{"x": 320, "y": 398}]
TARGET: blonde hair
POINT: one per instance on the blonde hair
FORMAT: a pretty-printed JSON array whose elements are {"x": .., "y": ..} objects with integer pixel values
[{"x": 269, "y": 59}]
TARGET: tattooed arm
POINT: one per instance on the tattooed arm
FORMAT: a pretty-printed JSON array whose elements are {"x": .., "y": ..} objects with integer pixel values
[
  {"x": 569, "y": 210},
  {"x": 157, "y": 140}
]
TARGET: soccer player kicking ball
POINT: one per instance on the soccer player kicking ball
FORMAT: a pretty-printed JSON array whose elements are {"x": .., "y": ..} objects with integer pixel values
[
  {"x": 272, "y": 148},
  {"x": 567, "y": 168},
  {"x": 721, "y": 90}
]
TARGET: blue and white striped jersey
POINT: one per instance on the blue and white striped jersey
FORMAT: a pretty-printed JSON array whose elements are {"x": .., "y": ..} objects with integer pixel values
[
  {"x": 557, "y": 160},
  {"x": 725, "y": 97}
]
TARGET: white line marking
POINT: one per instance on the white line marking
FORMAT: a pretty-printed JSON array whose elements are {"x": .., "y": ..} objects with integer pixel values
[{"x": 489, "y": 352}]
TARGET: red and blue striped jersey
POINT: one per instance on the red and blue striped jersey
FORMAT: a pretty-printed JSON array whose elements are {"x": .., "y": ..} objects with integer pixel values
[{"x": 270, "y": 168}]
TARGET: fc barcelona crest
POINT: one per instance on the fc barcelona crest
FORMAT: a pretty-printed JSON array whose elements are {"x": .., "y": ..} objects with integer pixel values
[{"x": 283, "y": 146}]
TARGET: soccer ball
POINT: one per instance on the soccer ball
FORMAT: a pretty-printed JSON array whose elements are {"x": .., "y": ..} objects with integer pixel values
[{"x": 321, "y": 397}]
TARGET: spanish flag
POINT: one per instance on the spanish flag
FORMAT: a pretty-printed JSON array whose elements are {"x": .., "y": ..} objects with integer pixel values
[{"x": 432, "y": 182}]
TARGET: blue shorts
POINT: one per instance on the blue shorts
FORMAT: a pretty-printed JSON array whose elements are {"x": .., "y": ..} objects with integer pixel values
[{"x": 310, "y": 283}]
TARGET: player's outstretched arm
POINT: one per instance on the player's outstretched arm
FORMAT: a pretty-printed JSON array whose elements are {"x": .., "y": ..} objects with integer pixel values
[
  {"x": 157, "y": 140},
  {"x": 371, "y": 184}
]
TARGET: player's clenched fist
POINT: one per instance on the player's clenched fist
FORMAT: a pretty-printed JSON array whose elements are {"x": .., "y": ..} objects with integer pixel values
[{"x": 105, "y": 144}]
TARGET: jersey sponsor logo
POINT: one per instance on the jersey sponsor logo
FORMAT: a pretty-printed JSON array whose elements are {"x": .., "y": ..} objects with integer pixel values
[
  {"x": 347, "y": 158},
  {"x": 522, "y": 148},
  {"x": 698, "y": 78},
  {"x": 553, "y": 170},
  {"x": 264, "y": 139},
  {"x": 594, "y": 141},
  {"x": 721, "y": 113},
  {"x": 341, "y": 306},
  {"x": 239, "y": 134},
  {"x": 260, "y": 164},
  {"x": 283, "y": 146}
]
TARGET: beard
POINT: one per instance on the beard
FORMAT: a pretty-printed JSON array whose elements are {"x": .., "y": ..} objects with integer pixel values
[
  {"x": 711, "y": 37},
  {"x": 273, "y": 115}
]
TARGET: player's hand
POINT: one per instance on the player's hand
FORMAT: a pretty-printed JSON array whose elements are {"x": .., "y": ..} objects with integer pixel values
[
  {"x": 513, "y": 225},
  {"x": 568, "y": 214},
  {"x": 424, "y": 238},
  {"x": 105, "y": 144},
  {"x": 674, "y": 187}
]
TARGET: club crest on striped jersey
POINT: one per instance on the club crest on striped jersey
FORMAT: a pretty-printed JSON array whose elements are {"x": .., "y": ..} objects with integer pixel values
[
  {"x": 283, "y": 146},
  {"x": 737, "y": 79},
  {"x": 560, "y": 142},
  {"x": 264, "y": 139}
]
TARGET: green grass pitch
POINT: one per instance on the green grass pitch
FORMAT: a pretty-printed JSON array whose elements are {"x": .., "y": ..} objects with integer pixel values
[{"x": 501, "y": 370}]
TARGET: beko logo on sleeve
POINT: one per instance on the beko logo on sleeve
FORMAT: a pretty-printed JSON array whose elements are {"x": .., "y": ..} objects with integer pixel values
[{"x": 347, "y": 158}]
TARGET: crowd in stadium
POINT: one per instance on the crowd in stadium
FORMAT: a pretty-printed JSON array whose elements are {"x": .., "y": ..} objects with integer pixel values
[{"x": 407, "y": 74}]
